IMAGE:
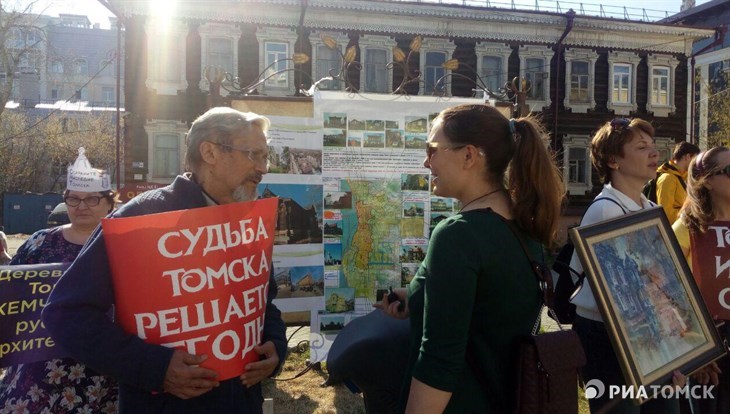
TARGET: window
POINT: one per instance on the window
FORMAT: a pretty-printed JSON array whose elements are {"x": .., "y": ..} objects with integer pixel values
[
  {"x": 54, "y": 94},
  {"x": 277, "y": 52},
  {"x": 107, "y": 94},
  {"x": 327, "y": 60},
  {"x": 30, "y": 37},
  {"x": 56, "y": 66},
  {"x": 375, "y": 71},
  {"x": 492, "y": 72},
  {"x": 579, "y": 82},
  {"x": 220, "y": 54},
  {"x": 535, "y": 75},
  {"x": 167, "y": 155},
  {"x": 434, "y": 71},
  {"x": 81, "y": 67},
  {"x": 26, "y": 64},
  {"x": 621, "y": 83},
  {"x": 577, "y": 166},
  {"x": 660, "y": 85}
]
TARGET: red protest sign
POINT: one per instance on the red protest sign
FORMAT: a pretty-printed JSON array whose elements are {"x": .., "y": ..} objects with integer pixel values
[
  {"x": 711, "y": 267},
  {"x": 195, "y": 279}
]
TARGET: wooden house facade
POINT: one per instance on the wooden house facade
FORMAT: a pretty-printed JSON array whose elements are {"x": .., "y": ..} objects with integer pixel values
[{"x": 582, "y": 70}]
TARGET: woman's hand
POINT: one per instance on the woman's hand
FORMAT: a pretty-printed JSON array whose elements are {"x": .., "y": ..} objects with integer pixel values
[
  {"x": 391, "y": 308},
  {"x": 708, "y": 374}
]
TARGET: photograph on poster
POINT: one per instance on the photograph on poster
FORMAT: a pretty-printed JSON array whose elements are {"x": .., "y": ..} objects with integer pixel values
[
  {"x": 408, "y": 270},
  {"x": 392, "y": 125},
  {"x": 414, "y": 182},
  {"x": 334, "y": 120},
  {"x": 333, "y": 229},
  {"x": 442, "y": 204},
  {"x": 334, "y": 138},
  {"x": 413, "y": 209},
  {"x": 338, "y": 200},
  {"x": 394, "y": 138},
  {"x": 300, "y": 212},
  {"x": 354, "y": 140},
  {"x": 288, "y": 160},
  {"x": 375, "y": 125},
  {"x": 357, "y": 125},
  {"x": 374, "y": 140},
  {"x": 647, "y": 296},
  {"x": 416, "y": 141},
  {"x": 331, "y": 323},
  {"x": 332, "y": 254},
  {"x": 299, "y": 281},
  {"x": 416, "y": 124},
  {"x": 412, "y": 253},
  {"x": 304, "y": 161},
  {"x": 436, "y": 218},
  {"x": 339, "y": 300}
]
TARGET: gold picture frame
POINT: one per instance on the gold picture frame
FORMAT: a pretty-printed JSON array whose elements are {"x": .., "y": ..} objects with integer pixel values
[{"x": 649, "y": 301}]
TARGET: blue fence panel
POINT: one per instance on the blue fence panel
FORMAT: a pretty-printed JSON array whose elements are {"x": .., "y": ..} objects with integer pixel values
[{"x": 27, "y": 213}]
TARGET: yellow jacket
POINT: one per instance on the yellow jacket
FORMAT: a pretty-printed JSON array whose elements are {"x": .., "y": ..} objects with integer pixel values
[{"x": 670, "y": 193}]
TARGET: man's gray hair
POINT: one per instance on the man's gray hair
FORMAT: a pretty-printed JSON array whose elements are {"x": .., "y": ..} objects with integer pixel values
[{"x": 220, "y": 125}]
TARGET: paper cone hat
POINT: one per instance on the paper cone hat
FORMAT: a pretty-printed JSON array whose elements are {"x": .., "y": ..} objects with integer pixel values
[{"x": 81, "y": 177}]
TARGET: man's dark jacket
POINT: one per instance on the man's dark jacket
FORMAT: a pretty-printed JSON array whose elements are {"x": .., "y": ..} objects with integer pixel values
[{"x": 77, "y": 317}]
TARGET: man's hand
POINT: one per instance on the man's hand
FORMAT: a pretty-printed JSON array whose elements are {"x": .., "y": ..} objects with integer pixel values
[
  {"x": 257, "y": 371},
  {"x": 185, "y": 379}
]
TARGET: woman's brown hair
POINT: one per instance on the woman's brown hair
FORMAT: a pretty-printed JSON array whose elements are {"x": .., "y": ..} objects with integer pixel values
[
  {"x": 697, "y": 212},
  {"x": 609, "y": 140},
  {"x": 517, "y": 155}
]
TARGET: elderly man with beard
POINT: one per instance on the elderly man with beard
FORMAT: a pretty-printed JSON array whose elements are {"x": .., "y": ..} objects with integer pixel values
[{"x": 226, "y": 157}]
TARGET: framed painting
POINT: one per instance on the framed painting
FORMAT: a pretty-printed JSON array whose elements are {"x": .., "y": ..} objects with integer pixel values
[{"x": 649, "y": 301}]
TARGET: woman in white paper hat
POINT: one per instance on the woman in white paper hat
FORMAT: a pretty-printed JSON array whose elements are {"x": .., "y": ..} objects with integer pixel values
[{"x": 64, "y": 385}]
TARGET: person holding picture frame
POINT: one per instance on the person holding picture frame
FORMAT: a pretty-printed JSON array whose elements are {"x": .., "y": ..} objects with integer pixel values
[
  {"x": 625, "y": 156},
  {"x": 702, "y": 231}
]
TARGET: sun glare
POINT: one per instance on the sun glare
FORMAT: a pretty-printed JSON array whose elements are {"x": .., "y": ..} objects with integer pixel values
[{"x": 163, "y": 9}]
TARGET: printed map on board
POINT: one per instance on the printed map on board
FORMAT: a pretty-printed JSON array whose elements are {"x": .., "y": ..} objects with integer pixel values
[{"x": 372, "y": 233}]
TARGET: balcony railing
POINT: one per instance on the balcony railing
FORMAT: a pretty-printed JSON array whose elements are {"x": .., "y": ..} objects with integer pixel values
[{"x": 561, "y": 6}]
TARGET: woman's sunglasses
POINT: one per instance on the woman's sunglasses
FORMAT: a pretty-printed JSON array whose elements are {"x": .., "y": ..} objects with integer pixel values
[{"x": 433, "y": 147}]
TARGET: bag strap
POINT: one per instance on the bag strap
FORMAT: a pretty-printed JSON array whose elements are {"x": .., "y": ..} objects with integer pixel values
[
  {"x": 542, "y": 274},
  {"x": 682, "y": 183},
  {"x": 605, "y": 198},
  {"x": 581, "y": 276}
]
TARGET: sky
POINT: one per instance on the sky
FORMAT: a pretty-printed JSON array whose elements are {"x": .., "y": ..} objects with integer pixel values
[{"x": 100, "y": 14}]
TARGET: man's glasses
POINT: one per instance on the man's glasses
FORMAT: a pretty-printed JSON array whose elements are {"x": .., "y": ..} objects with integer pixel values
[
  {"x": 90, "y": 201},
  {"x": 433, "y": 147},
  {"x": 257, "y": 156},
  {"x": 725, "y": 170}
]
